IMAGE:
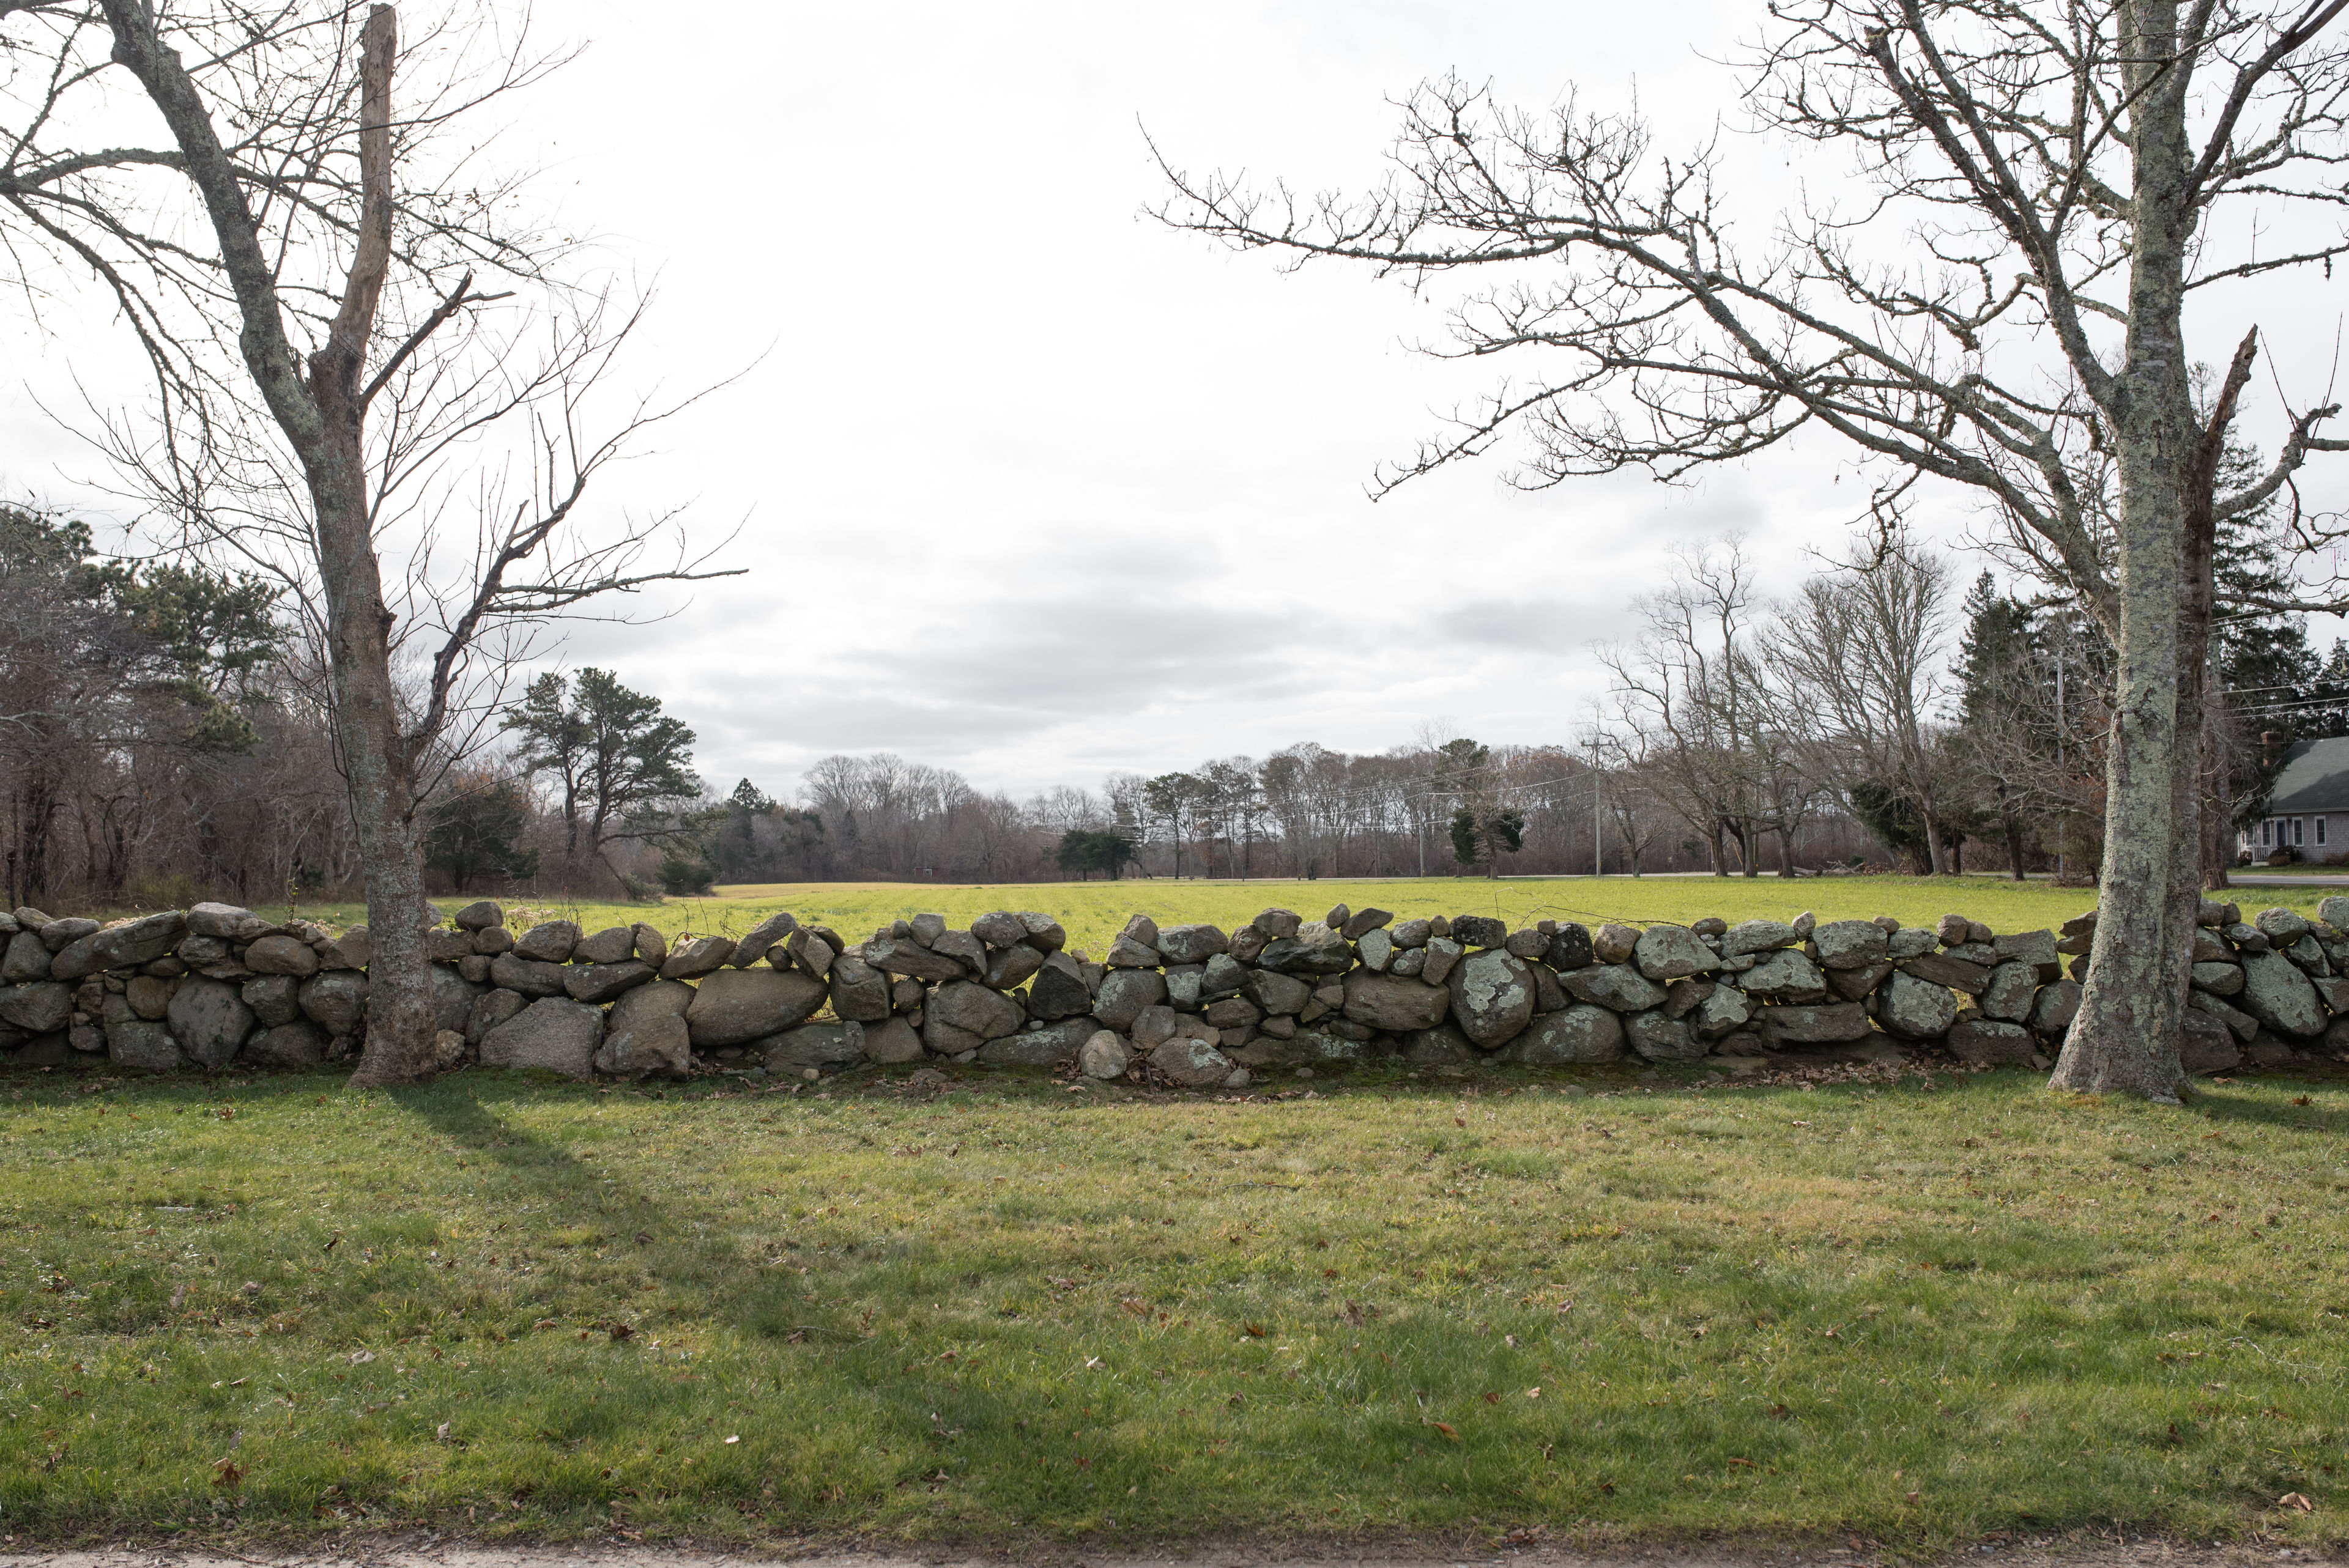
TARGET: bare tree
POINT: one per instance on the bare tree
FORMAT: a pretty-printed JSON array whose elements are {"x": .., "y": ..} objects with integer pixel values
[
  {"x": 291, "y": 255},
  {"x": 2063, "y": 175}
]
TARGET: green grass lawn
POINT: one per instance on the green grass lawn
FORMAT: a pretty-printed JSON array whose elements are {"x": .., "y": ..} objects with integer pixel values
[
  {"x": 1606, "y": 1304},
  {"x": 1093, "y": 912}
]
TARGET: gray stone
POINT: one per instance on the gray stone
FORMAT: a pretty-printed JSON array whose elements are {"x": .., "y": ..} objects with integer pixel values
[
  {"x": 1044, "y": 933},
  {"x": 812, "y": 953},
  {"x": 2053, "y": 1010},
  {"x": 2242, "y": 1025},
  {"x": 1528, "y": 944},
  {"x": 858, "y": 991},
  {"x": 2307, "y": 953},
  {"x": 60, "y": 935},
  {"x": 225, "y": 921},
  {"x": 27, "y": 959},
  {"x": 2334, "y": 912},
  {"x": 1474, "y": 931},
  {"x": 549, "y": 942},
  {"x": 1657, "y": 1039},
  {"x": 927, "y": 927},
  {"x": 1045, "y": 1047},
  {"x": 351, "y": 950},
  {"x": 123, "y": 946},
  {"x": 651, "y": 946},
  {"x": 1787, "y": 975},
  {"x": 1194, "y": 1064},
  {"x": 892, "y": 1041},
  {"x": 1277, "y": 924},
  {"x": 2220, "y": 979},
  {"x": 1615, "y": 986},
  {"x": 768, "y": 933},
  {"x": 1124, "y": 953},
  {"x": 1444, "y": 1043},
  {"x": 1941, "y": 969},
  {"x": 1832, "y": 1023},
  {"x": 1673, "y": 953},
  {"x": 1377, "y": 947},
  {"x": 479, "y": 915},
  {"x": 1570, "y": 947},
  {"x": 1102, "y": 1056},
  {"x": 1492, "y": 996},
  {"x": 1006, "y": 967},
  {"x": 601, "y": 981},
  {"x": 532, "y": 977},
  {"x": 1992, "y": 1041},
  {"x": 645, "y": 1032},
  {"x": 2281, "y": 926},
  {"x": 1411, "y": 961},
  {"x": 1443, "y": 953},
  {"x": 336, "y": 1000},
  {"x": 613, "y": 944},
  {"x": 300, "y": 1044},
  {"x": 493, "y": 940},
  {"x": 2008, "y": 995},
  {"x": 439, "y": 946},
  {"x": 1411, "y": 933},
  {"x": 1141, "y": 930},
  {"x": 283, "y": 955},
  {"x": 1582, "y": 1033},
  {"x": 963, "y": 948},
  {"x": 733, "y": 1006},
  {"x": 1232, "y": 1013},
  {"x": 701, "y": 956},
  {"x": 1385, "y": 1002},
  {"x": 150, "y": 998},
  {"x": 1183, "y": 985},
  {"x": 1192, "y": 944},
  {"x": 1682, "y": 997},
  {"x": 448, "y": 1050},
  {"x": 554, "y": 1034},
  {"x": 1222, "y": 976},
  {"x": 1725, "y": 1009},
  {"x": 1848, "y": 943},
  {"x": 1248, "y": 943},
  {"x": 1059, "y": 990},
  {"x": 1615, "y": 943},
  {"x": 492, "y": 1009},
  {"x": 2278, "y": 995},
  {"x": 1124, "y": 993},
  {"x": 2247, "y": 938},
  {"x": 817, "y": 1045},
  {"x": 210, "y": 1020},
  {"x": 2036, "y": 948},
  {"x": 1280, "y": 994},
  {"x": 1853, "y": 985},
  {"x": 452, "y": 996},
  {"x": 1000, "y": 928},
  {"x": 1314, "y": 950},
  {"x": 2206, "y": 1046},
  {"x": 143, "y": 1046},
  {"x": 1757, "y": 936},
  {"x": 966, "y": 1005},
  {"x": 39, "y": 1007},
  {"x": 1915, "y": 1009},
  {"x": 276, "y": 1000},
  {"x": 1908, "y": 942},
  {"x": 1360, "y": 924}
]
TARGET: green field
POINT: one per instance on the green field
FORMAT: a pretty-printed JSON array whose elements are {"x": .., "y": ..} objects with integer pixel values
[
  {"x": 1092, "y": 912},
  {"x": 1601, "y": 1304}
]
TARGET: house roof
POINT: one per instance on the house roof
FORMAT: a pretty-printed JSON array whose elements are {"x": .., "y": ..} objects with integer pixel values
[{"x": 2314, "y": 777}]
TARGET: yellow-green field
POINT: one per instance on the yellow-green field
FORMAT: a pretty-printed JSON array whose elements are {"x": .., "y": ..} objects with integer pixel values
[{"x": 1092, "y": 912}]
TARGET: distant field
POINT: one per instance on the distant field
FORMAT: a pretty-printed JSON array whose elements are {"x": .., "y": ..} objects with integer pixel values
[{"x": 1092, "y": 912}]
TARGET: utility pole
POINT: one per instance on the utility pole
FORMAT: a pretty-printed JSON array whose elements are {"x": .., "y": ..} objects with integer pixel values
[
  {"x": 2064, "y": 816},
  {"x": 1598, "y": 835}
]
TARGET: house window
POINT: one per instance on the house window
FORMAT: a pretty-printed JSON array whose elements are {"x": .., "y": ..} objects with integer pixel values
[
  {"x": 2299, "y": 831},
  {"x": 2267, "y": 834},
  {"x": 2320, "y": 829}
]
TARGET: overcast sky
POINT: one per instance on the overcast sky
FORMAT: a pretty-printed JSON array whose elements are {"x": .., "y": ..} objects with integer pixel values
[{"x": 1038, "y": 488}]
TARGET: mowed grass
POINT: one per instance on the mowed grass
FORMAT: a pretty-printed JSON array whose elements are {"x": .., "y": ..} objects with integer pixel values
[
  {"x": 1609, "y": 1306},
  {"x": 1093, "y": 912}
]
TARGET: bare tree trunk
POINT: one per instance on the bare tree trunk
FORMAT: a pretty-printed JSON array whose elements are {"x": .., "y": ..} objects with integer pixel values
[{"x": 1934, "y": 864}]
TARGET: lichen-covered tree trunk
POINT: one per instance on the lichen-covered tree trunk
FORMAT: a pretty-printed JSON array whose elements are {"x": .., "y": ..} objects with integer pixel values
[{"x": 2127, "y": 1036}]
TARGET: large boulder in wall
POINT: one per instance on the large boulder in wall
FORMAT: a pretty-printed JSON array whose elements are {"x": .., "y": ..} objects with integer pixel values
[
  {"x": 554, "y": 1033},
  {"x": 646, "y": 1033},
  {"x": 1584, "y": 1032},
  {"x": 2280, "y": 996},
  {"x": 734, "y": 1006},
  {"x": 210, "y": 1020},
  {"x": 1492, "y": 996},
  {"x": 1393, "y": 1003}
]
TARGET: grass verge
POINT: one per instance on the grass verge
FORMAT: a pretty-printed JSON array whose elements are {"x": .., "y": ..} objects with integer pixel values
[{"x": 1596, "y": 1304}]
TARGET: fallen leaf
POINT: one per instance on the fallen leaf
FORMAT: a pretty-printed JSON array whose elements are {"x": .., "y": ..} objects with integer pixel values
[
  {"x": 361, "y": 1357},
  {"x": 1444, "y": 1426},
  {"x": 1747, "y": 1463},
  {"x": 1533, "y": 1393},
  {"x": 1256, "y": 1331},
  {"x": 2301, "y": 1100},
  {"x": 440, "y": 1434},
  {"x": 1492, "y": 1399},
  {"x": 2296, "y": 1499},
  {"x": 227, "y": 1472},
  {"x": 622, "y": 1331}
]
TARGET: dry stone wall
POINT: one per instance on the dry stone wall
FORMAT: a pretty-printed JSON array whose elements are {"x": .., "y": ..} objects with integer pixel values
[{"x": 1190, "y": 1005}]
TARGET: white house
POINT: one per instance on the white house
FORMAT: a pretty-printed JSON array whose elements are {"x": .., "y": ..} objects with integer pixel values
[{"x": 2309, "y": 810}]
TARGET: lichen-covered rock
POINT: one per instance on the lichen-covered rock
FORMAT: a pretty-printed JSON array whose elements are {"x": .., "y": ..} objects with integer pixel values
[
  {"x": 1124, "y": 993},
  {"x": 645, "y": 1032},
  {"x": 554, "y": 1034},
  {"x": 1192, "y": 944},
  {"x": 1006, "y": 967},
  {"x": 479, "y": 915},
  {"x": 123, "y": 946},
  {"x": 1569, "y": 946},
  {"x": 1615, "y": 986},
  {"x": 1658, "y": 1038},
  {"x": 143, "y": 1046},
  {"x": 2278, "y": 995},
  {"x": 549, "y": 942},
  {"x": 1850, "y": 944},
  {"x": 25, "y": 960},
  {"x": 2220, "y": 979},
  {"x": 1493, "y": 996},
  {"x": 532, "y": 977},
  {"x": 613, "y": 944},
  {"x": 2281, "y": 926},
  {"x": 2241, "y": 1024},
  {"x": 1045, "y": 1045},
  {"x": 858, "y": 991},
  {"x": 1377, "y": 948},
  {"x": 754, "y": 944},
  {"x": 823, "y": 1046},
  {"x": 492, "y": 1009},
  {"x": 1615, "y": 943},
  {"x": 2036, "y": 948},
  {"x": 336, "y": 1000},
  {"x": 1787, "y": 975},
  {"x": 1435, "y": 961},
  {"x": 1102, "y": 1056},
  {"x": 225, "y": 921},
  {"x": 1194, "y": 1064},
  {"x": 1314, "y": 950},
  {"x": 2053, "y": 1010},
  {"x": 1673, "y": 953},
  {"x": 602, "y": 981},
  {"x": 970, "y": 1005},
  {"x": 2206, "y": 1046},
  {"x": 1583, "y": 1032},
  {"x": 1722, "y": 1009},
  {"x": 276, "y": 1000},
  {"x": 1058, "y": 991},
  {"x": 37, "y": 1008},
  {"x": 703, "y": 956},
  {"x": 300, "y": 1044},
  {"x": 734, "y": 1006},
  {"x": 1915, "y": 1009},
  {"x": 1757, "y": 936},
  {"x": 1397, "y": 1006},
  {"x": 1941, "y": 969},
  {"x": 2008, "y": 995},
  {"x": 1833, "y": 1023}
]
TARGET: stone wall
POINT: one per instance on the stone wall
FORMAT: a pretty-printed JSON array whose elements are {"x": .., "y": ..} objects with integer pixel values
[{"x": 1185, "y": 1004}]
